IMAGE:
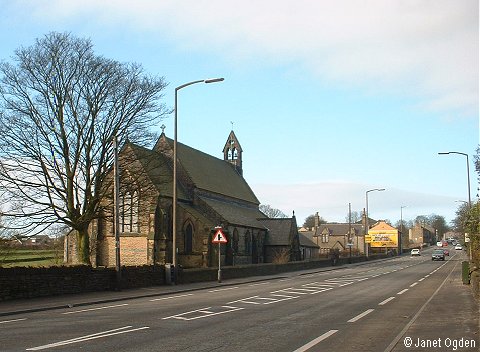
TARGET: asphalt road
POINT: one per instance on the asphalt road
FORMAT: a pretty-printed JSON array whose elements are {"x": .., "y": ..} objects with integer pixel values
[{"x": 362, "y": 308}]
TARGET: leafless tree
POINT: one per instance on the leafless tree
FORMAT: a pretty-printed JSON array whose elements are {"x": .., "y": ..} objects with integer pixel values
[
  {"x": 61, "y": 105},
  {"x": 270, "y": 212},
  {"x": 354, "y": 217}
]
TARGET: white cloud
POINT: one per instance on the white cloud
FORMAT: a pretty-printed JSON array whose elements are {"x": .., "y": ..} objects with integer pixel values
[{"x": 426, "y": 49}]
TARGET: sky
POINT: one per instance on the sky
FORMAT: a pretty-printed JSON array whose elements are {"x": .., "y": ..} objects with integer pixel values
[{"x": 329, "y": 99}]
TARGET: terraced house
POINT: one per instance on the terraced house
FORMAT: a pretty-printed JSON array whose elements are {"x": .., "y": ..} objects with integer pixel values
[{"x": 211, "y": 192}]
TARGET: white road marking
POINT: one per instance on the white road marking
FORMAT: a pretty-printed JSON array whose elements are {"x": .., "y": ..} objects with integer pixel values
[
  {"x": 386, "y": 301},
  {"x": 360, "y": 316},
  {"x": 262, "y": 283},
  {"x": 402, "y": 291},
  {"x": 315, "y": 341},
  {"x": 202, "y": 313},
  {"x": 223, "y": 289},
  {"x": 414, "y": 284},
  {"x": 99, "y": 308},
  {"x": 171, "y": 297},
  {"x": 12, "y": 321},
  {"x": 123, "y": 330}
]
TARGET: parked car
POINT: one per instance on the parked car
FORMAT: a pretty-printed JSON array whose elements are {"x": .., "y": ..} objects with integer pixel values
[
  {"x": 415, "y": 252},
  {"x": 446, "y": 252},
  {"x": 458, "y": 247},
  {"x": 438, "y": 254}
]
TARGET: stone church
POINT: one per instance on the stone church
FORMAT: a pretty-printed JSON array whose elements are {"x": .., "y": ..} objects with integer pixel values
[{"x": 211, "y": 192}]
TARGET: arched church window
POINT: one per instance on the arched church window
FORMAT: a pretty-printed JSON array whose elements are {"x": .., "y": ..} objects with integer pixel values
[
  {"x": 235, "y": 241},
  {"x": 129, "y": 210},
  {"x": 248, "y": 243},
  {"x": 235, "y": 154},
  {"x": 188, "y": 239}
]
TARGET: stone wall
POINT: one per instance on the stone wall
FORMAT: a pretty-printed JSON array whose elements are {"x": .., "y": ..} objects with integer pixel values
[
  {"x": 22, "y": 282},
  {"x": 37, "y": 282}
]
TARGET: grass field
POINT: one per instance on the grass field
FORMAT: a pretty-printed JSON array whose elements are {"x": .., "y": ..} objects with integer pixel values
[{"x": 30, "y": 257}]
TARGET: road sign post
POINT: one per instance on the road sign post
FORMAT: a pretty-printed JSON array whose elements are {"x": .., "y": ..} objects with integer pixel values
[{"x": 219, "y": 238}]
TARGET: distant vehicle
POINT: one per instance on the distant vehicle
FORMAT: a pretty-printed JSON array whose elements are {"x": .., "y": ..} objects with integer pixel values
[
  {"x": 438, "y": 254},
  {"x": 445, "y": 243},
  {"x": 446, "y": 252},
  {"x": 439, "y": 244},
  {"x": 415, "y": 252},
  {"x": 458, "y": 247}
]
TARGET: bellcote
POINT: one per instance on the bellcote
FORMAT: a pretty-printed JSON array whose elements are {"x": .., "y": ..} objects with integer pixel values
[{"x": 232, "y": 152}]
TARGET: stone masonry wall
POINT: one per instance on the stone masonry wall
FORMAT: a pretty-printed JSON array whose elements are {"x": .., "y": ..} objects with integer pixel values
[{"x": 17, "y": 283}]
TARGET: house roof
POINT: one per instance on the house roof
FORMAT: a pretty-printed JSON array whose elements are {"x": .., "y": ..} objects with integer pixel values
[
  {"x": 340, "y": 229},
  {"x": 209, "y": 173},
  {"x": 279, "y": 230},
  {"x": 382, "y": 225}
]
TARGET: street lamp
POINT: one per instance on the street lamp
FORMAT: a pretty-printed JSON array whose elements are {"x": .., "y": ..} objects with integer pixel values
[
  {"x": 116, "y": 212},
  {"x": 366, "y": 213},
  {"x": 174, "y": 201},
  {"x": 468, "y": 173}
]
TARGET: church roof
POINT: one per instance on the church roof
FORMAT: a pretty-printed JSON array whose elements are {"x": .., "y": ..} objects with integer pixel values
[
  {"x": 305, "y": 241},
  {"x": 209, "y": 173},
  {"x": 158, "y": 169},
  {"x": 236, "y": 214},
  {"x": 280, "y": 230}
]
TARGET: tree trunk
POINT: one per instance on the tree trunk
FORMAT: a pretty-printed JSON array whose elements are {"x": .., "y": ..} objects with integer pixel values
[{"x": 83, "y": 247}]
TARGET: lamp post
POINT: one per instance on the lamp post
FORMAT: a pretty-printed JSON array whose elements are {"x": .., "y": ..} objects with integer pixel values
[
  {"x": 400, "y": 239},
  {"x": 116, "y": 212},
  {"x": 366, "y": 213},
  {"x": 468, "y": 174},
  {"x": 174, "y": 201}
]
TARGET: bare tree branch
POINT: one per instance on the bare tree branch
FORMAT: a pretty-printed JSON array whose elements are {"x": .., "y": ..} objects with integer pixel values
[{"x": 60, "y": 107}]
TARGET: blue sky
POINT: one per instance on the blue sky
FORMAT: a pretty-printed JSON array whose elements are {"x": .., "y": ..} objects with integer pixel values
[{"x": 328, "y": 98}]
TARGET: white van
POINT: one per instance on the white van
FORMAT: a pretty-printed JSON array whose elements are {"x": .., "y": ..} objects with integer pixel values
[{"x": 439, "y": 244}]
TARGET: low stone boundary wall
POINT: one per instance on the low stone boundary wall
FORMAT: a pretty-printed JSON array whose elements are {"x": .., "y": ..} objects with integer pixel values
[
  {"x": 37, "y": 282},
  {"x": 20, "y": 282}
]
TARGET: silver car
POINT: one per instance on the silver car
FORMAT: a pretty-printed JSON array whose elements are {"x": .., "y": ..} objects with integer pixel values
[{"x": 438, "y": 254}]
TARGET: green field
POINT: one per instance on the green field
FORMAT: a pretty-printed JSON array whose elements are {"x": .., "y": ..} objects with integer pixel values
[{"x": 30, "y": 257}]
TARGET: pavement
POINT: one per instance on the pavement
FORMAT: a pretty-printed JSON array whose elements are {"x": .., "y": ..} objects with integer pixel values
[{"x": 452, "y": 312}]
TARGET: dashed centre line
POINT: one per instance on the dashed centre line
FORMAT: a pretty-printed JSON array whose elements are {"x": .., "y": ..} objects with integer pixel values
[
  {"x": 360, "y": 316},
  {"x": 315, "y": 341},
  {"x": 386, "y": 301}
]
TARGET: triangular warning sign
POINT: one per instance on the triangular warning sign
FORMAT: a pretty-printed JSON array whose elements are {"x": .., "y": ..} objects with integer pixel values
[{"x": 219, "y": 237}]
